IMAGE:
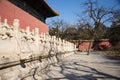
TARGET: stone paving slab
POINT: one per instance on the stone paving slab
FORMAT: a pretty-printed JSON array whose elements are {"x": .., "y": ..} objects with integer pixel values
[{"x": 85, "y": 67}]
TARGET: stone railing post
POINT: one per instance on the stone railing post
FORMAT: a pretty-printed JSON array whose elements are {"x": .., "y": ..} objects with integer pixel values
[
  {"x": 5, "y": 22},
  {"x": 28, "y": 30},
  {"x": 36, "y": 48},
  {"x": 37, "y": 37},
  {"x": 16, "y": 26}
]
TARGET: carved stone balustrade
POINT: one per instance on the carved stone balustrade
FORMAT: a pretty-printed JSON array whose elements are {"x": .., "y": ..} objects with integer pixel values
[{"x": 18, "y": 46}]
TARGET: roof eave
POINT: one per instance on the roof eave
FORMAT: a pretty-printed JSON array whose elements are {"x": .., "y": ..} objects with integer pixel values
[{"x": 55, "y": 13}]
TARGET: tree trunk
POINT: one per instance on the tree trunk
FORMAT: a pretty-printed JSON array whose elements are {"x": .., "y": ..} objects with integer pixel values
[
  {"x": 90, "y": 46},
  {"x": 92, "y": 40}
]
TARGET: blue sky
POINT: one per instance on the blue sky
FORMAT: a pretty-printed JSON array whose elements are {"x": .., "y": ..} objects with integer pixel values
[{"x": 69, "y": 8}]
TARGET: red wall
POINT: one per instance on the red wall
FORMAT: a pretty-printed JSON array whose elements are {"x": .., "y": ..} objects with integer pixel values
[
  {"x": 102, "y": 45},
  {"x": 11, "y": 12},
  {"x": 84, "y": 46}
]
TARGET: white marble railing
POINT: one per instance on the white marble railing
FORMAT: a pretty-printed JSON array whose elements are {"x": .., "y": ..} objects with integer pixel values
[
  {"x": 16, "y": 43},
  {"x": 24, "y": 53}
]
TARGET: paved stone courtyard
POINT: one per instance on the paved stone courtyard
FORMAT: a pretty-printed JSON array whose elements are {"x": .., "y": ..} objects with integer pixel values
[{"x": 80, "y": 66}]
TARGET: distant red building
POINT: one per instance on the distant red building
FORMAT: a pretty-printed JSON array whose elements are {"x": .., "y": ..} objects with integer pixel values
[
  {"x": 101, "y": 45},
  {"x": 31, "y": 13},
  {"x": 83, "y": 45}
]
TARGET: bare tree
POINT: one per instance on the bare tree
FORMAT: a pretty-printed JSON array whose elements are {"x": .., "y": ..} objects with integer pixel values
[
  {"x": 98, "y": 15},
  {"x": 57, "y": 27}
]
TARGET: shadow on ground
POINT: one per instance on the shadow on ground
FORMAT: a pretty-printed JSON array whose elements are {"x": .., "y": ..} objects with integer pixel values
[{"x": 77, "y": 71}]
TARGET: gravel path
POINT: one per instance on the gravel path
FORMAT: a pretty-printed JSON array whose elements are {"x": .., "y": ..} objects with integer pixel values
[{"x": 85, "y": 67}]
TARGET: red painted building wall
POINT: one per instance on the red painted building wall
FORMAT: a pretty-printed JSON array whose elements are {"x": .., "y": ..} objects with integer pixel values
[
  {"x": 101, "y": 45},
  {"x": 84, "y": 46},
  {"x": 11, "y": 12}
]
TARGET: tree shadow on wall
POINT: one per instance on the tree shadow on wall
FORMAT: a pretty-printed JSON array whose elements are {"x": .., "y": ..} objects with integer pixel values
[{"x": 35, "y": 71}]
